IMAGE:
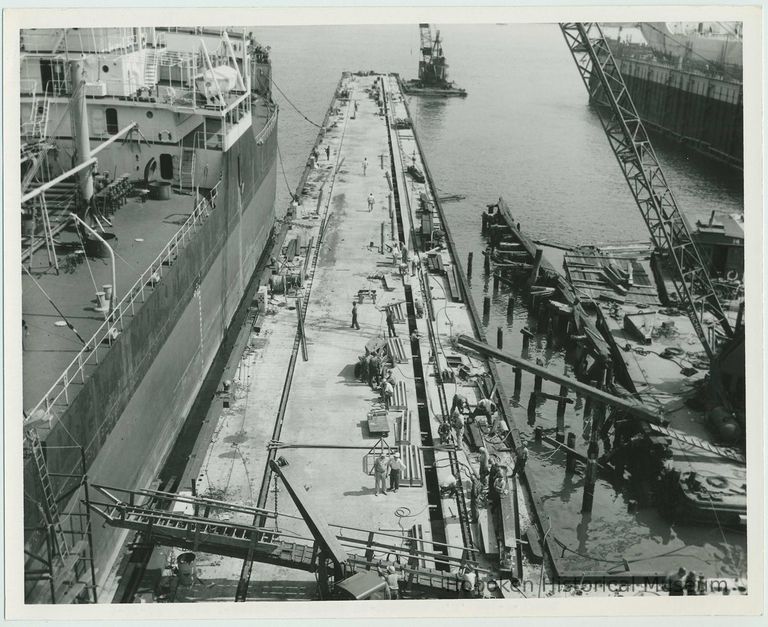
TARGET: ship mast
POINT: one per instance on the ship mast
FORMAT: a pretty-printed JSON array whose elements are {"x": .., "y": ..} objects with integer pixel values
[{"x": 81, "y": 132}]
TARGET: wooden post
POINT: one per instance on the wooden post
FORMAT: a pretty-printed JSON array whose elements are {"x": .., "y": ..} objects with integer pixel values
[
  {"x": 570, "y": 460},
  {"x": 391, "y": 216},
  {"x": 319, "y": 199},
  {"x": 526, "y": 340},
  {"x": 469, "y": 265},
  {"x": 499, "y": 338},
  {"x": 532, "y": 408},
  {"x": 590, "y": 476},
  {"x": 537, "y": 433},
  {"x": 495, "y": 283},
  {"x": 511, "y": 308},
  {"x": 486, "y": 307},
  {"x": 487, "y": 262},
  {"x": 518, "y": 382},
  {"x": 559, "y": 434},
  {"x": 536, "y": 266},
  {"x": 537, "y": 383},
  {"x": 381, "y": 246}
]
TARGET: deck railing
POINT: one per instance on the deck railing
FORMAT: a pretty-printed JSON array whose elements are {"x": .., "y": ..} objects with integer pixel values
[{"x": 101, "y": 341}]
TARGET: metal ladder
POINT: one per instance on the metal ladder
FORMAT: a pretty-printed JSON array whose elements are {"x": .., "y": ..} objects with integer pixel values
[
  {"x": 150, "y": 67},
  {"x": 50, "y": 507},
  {"x": 720, "y": 451},
  {"x": 187, "y": 160}
]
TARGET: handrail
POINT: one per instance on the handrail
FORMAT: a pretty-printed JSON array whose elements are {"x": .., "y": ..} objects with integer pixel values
[{"x": 107, "y": 331}]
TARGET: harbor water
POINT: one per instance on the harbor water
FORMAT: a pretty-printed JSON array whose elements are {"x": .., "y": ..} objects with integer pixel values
[{"x": 524, "y": 132}]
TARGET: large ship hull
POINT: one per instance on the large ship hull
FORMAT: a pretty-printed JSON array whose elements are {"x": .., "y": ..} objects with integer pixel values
[
  {"x": 129, "y": 412},
  {"x": 703, "y": 112}
]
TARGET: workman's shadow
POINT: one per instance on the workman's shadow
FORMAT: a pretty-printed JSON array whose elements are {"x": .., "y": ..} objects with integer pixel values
[
  {"x": 348, "y": 374},
  {"x": 363, "y": 491}
]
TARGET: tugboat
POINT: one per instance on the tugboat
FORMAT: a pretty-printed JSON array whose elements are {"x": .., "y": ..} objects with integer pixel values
[{"x": 433, "y": 78}]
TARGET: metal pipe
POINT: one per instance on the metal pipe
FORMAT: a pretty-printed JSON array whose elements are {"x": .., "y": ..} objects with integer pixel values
[
  {"x": 114, "y": 138},
  {"x": 111, "y": 254},
  {"x": 82, "y": 135}
]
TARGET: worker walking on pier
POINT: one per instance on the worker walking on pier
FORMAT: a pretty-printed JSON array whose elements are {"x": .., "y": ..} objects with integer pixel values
[
  {"x": 354, "y": 316},
  {"x": 521, "y": 456},
  {"x": 371, "y": 202},
  {"x": 457, "y": 422},
  {"x": 485, "y": 469},
  {"x": 380, "y": 474},
  {"x": 459, "y": 402},
  {"x": 395, "y": 468},
  {"x": 485, "y": 407},
  {"x": 387, "y": 392},
  {"x": 365, "y": 164},
  {"x": 391, "y": 323}
]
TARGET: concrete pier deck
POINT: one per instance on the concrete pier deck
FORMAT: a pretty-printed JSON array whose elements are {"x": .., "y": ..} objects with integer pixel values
[{"x": 314, "y": 413}]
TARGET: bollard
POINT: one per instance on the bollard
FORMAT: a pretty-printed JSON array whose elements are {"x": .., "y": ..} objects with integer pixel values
[
  {"x": 495, "y": 283},
  {"x": 499, "y": 338},
  {"x": 511, "y": 308},
  {"x": 518, "y": 382},
  {"x": 469, "y": 265},
  {"x": 570, "y": 459},
  {"x": 589, "y": 485}
]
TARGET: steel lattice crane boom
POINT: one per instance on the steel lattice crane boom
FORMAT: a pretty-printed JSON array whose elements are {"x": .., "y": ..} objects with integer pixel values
[
  {"x": 432, "y": 65},
  {"x": 629, "y": 141}
]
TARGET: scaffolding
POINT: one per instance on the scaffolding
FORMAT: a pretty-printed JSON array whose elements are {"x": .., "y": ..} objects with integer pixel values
[{"x": 59, "y": 550}]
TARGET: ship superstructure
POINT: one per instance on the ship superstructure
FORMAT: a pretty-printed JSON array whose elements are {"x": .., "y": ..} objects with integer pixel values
[{"x": 148, "y": 186}]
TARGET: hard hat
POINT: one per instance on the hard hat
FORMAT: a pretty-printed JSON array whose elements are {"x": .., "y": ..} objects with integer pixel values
[
  {"x": 391, "y": 568},
  {"x": 397, "y": 454}
]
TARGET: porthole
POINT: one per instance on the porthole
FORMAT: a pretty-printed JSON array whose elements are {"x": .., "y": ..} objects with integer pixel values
[
  {"x": 150, "y": 115},
  {"x": 105, "y": 68}
]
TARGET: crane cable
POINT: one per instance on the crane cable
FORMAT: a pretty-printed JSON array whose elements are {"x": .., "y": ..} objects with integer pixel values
[{"x": 288, "y": 100}]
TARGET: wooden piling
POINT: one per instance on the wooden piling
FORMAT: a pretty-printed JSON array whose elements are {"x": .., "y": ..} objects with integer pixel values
[
  {"x": 537, "y": 380},
  {"x": 495, "y": 283},
  {"x": 570, "y": 460},
  {"x": 561, "y": 403},
  {"x": 499, "y": 338},
  {"x": 532, "y": 408},
  {"x": 511, "y": 308},
  {"x": 469, "y": 265},
  {"x": 486, "y": 307},
  {"x": 487, "y": 263},
  {"x": 518, "y": 382},
  {"x": 590, "y": 476}
]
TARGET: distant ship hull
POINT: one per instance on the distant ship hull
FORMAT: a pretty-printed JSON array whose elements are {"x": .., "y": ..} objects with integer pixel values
[{"x": 703, "y": 112}]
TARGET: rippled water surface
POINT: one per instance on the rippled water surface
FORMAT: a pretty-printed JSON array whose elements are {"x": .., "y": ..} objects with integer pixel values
[{"x": 524, "y": 132}]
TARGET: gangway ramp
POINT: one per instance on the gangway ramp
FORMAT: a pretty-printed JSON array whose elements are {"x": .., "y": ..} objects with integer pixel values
[{"x": 193, "y": 527}]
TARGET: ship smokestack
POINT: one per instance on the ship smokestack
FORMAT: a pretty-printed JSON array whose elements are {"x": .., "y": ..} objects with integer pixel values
[{"x": 82, "y": 134}]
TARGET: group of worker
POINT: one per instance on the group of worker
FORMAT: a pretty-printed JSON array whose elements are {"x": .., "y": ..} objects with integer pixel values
[{"x": 387, "y": 466}]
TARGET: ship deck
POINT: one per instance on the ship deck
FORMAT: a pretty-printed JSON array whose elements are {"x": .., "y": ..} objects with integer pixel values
[{"x": 143, "y": 230}]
